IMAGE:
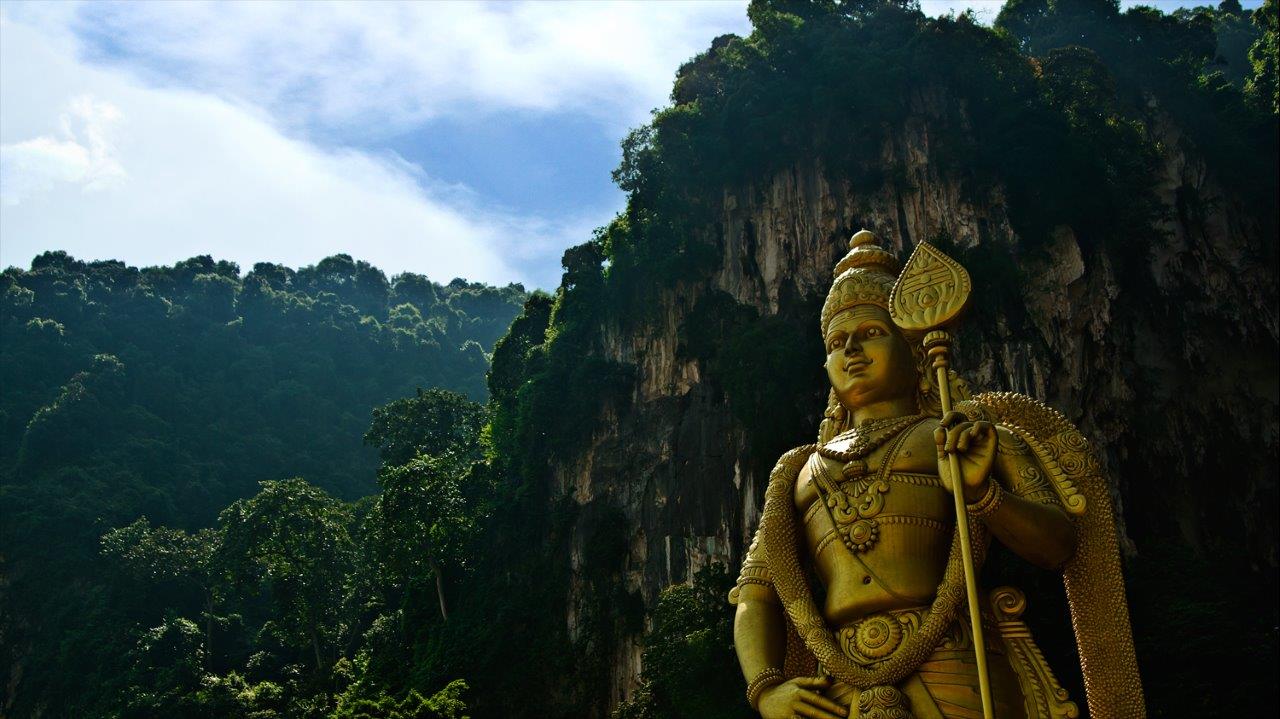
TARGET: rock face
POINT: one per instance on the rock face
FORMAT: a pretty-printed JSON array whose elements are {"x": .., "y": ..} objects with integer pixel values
[{"x": 1169, "y": 365}]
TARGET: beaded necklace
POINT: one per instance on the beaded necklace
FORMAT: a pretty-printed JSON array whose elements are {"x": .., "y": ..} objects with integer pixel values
[
  {"x": 866, "y": 438},
  {"x": 854, "y": 502}
]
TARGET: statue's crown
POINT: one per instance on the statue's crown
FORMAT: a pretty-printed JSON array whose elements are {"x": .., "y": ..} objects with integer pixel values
[{"x": 864, "y": 276}]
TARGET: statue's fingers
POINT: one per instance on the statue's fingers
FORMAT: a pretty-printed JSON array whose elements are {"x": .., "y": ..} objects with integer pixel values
[
  {"x": 823, "y": 703},
  {"x": 951, "y": 418},
  {"x": 953, "y": 435},
  {"x": 818, "y": 682},
  {"x": 806, "y": 709},
  {"x": 983, "y": 431},
  {"x": 940, "y": 438},
  {"x": 963, "y": 440}
]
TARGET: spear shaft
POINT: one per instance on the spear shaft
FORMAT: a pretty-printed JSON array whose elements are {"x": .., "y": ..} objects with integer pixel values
[
  {"x": 938, "y": 344},
  {"x": 931, "y": 292}
]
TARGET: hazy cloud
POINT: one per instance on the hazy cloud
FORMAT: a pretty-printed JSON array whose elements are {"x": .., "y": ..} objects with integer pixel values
[
  {"x": 82, "y": 154},
  {"x": 342, "y": 64},
  {"x": 235, "y": 124},
  {"x": 153, "y": 131},
  {"x": 178, "y": 173}
]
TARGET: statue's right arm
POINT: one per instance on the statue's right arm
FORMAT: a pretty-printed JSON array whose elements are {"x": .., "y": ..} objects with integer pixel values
[
  {"x": 760, "y": 637},
  {"x": 759, "y": 630}
]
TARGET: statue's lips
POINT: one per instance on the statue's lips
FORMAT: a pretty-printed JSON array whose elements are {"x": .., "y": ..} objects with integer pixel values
[{"x": 858, "y": 364}]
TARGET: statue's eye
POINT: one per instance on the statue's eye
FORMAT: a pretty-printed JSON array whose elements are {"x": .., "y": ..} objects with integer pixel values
[{"x": 875, "y": 332}]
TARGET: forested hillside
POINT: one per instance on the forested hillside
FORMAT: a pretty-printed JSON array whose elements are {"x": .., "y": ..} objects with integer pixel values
[{"x": 169, "y": 393}]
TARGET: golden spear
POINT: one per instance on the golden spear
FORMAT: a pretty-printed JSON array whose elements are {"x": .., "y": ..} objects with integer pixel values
[{"x": 929, "y": 294}]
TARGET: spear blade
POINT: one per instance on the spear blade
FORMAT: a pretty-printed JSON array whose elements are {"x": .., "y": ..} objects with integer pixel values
[{"x": 931, "y": 292}]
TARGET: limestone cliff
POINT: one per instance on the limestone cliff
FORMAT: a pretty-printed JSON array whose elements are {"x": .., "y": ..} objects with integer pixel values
[{"x": 1167, "y": 361}]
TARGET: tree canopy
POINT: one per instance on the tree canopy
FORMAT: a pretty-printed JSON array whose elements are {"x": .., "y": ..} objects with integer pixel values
[{"x": 151, "y": 399}]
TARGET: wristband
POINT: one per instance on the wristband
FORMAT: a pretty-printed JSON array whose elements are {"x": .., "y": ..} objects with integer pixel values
[
  {"x": 989, "y": 503},
  {"x": 768, "y": 677}
]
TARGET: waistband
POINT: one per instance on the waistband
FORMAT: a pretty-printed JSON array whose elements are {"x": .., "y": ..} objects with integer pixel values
[{"x": 876, "y": 637}]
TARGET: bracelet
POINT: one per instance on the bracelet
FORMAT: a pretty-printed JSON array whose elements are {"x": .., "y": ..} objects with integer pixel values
[
  {"x": 989, "y": 503},
  {"x": 768, "y": 677}
]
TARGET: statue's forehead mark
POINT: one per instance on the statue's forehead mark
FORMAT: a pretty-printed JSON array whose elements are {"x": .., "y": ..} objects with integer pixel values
[{"x": 857, "y": 314}]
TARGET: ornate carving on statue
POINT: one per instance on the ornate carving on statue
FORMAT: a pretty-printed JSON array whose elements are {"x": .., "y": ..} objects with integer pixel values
[
  {"x": 1044, "y": 696},
  {"x": 931, "y": 293},
  {"x": 859, "y": 595}
]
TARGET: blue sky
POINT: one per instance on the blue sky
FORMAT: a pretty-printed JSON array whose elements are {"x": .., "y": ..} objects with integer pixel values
[{"x": 452, "y": 139}]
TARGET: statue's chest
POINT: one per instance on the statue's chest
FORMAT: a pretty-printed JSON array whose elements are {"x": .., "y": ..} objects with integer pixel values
[
  {"x": 855, "y": 495},
  {"x": 916, "y": 455}
]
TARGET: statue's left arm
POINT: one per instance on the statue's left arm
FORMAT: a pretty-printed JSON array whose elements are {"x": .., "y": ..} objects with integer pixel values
[{"x": 1005, "y": 486}]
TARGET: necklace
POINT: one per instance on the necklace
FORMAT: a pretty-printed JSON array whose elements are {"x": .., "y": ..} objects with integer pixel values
[
  {"x": 854, "y": 503},
  {"x": 865, "y": 439}
]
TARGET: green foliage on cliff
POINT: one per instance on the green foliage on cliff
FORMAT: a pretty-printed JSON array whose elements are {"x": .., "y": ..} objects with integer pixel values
[
  {"x": 169, "y": 393},
  {"x": 686, "y": 654},
  {"x": 446, "y": 704},
  {"x": 1052, "y": 106},
  {"x": 1059, "y": 112}
]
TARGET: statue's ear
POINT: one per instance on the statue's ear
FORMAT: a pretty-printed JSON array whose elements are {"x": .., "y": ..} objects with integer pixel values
[
  {"x": 834, "y": 420},
  {"x": 930, "y": 400}
]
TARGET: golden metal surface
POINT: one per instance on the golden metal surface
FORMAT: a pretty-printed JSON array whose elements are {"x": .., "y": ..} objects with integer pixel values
[
  {"x": 938, "y": 350},
  {"x": 931, "y": 292},
  {"x": 1043, "y": 695},
  {"x": 865, "y": 513}
]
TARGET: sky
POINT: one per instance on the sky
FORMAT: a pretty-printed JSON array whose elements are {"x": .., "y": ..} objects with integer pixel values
[{"x": 463, "y": 139}]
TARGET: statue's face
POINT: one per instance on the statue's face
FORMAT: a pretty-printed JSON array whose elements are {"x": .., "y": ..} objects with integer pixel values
[{"x": 868, "y": 360}]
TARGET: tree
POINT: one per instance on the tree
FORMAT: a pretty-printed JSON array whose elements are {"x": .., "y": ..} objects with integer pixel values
[
  {"x": 425, "y": 521},
  {"x": 82, "y": 420},
  {"x": 170, "y": 392},
  {"x": 1263, "y": 86},
  {"x": 428, "y": 507},
  {"x": 444, "y": 704},
  {"x": 292, "y": 541},
  {"x": 688, "y": 655},
  {"x": 161, "y": 555},
  {"x": 167, "y": 666},
  {"x": 434, "y": 422}
]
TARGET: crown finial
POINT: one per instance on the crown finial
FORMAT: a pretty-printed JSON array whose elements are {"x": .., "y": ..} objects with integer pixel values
[
  {"x": 865, "y": 252},
  {"x": 862, "y": 237}
]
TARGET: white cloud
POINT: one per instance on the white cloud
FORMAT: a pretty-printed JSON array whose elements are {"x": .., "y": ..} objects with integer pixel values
[
  {"x": 224, "y": 104},
  {"x": 175, "y": 173},
  {"x": 340, "y": 65},
  {"x": 84, "y": 155}
]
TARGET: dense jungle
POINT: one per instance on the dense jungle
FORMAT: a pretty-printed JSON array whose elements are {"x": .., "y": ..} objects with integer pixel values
[{"x": 320, "y": 492}]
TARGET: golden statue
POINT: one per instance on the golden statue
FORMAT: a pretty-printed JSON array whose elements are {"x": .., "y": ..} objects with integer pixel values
[{"x": 858, "y": 596}]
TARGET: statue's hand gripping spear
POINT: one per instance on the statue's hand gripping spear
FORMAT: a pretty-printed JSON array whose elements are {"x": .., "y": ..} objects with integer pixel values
[{"x": 929, "y": 294}]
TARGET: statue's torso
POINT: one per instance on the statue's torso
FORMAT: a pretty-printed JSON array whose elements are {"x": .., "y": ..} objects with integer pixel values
[{"x": 905, "y": 562}]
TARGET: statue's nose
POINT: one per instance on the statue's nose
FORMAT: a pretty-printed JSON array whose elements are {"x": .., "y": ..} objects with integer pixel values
[{"x": 852, "y": 345}]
